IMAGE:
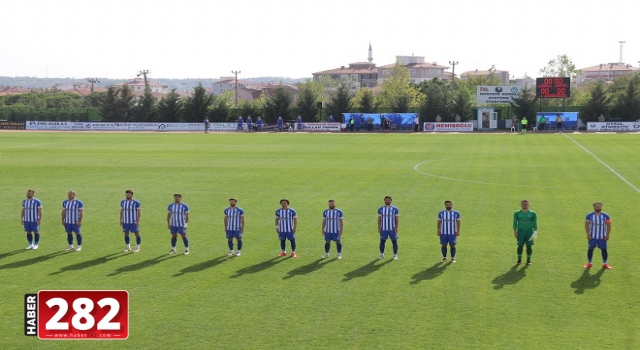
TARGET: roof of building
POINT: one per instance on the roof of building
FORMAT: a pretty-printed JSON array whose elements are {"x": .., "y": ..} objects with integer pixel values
[
  {"x": 353, "y": 68},
  {"x": 609, "y": 67},
  {"x": 483, "y": 72},
  {"x": 418, "y": 65}
]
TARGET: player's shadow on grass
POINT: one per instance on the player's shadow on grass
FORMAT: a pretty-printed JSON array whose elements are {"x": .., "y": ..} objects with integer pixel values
[
  {"x": 305, "y": 269},
  {"x": 141, "y": 265},
  {"x": 13, "y": 252},
  {"x": 258, "y": 267},
  {"x": 364, "y": 270},
  {"x": 27, "y": 262},
  {"x": 202, "y": 266},
  {"x": 512, "y": 276},
  {"x": 88, "y": 263},
  {"x": 430, "y": 273},
  {"x": 587, "y": 281}
]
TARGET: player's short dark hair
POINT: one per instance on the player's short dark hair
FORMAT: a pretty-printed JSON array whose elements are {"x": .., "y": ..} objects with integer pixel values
[
  {"x": 177, "y": 195},
  {"x": 332, "y": 200},
  {"x": 129, "y": 191},
  {"x": 233, "y": 199},
  {"x": 524, "y": 200},
  {"x": 284, "y": 200},
  {"x": 385, "y": 197},
  {"x": 448, "y": 201},
  {"x": 594, "y": 204}
]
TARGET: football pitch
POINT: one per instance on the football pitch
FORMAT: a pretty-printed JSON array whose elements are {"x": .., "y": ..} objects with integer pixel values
[{"x": 207, "y": 300}]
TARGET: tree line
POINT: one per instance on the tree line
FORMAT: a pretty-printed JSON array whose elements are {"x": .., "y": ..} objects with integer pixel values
[{"x": 318, "y": 99}]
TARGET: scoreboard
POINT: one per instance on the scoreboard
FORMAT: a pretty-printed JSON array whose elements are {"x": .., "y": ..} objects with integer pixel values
[{"x": 553, "y": 87}]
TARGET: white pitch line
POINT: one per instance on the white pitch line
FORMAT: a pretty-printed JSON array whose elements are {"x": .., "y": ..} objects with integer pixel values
[{"x": 603, "y": 163}]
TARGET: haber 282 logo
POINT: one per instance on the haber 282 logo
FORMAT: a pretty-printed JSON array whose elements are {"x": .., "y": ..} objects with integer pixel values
[{"x": 77, "y": 314}]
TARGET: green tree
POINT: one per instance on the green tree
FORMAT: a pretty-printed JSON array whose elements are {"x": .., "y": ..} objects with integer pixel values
[
  {"x": 109, "y": 105},
  {"x": 251, "y": 108},
  {"x": 525, "y": 105},
  {"x": 170, "y": 108},
  {"x": 597, "y": 105},
  {"x": 196, "y": 106},
  {"x": 365, "y": 101},
  {"x": 462, "y": 104},
  {"x": 307, "y": 103},
  {"x": 341, "y": 102},
  {"x": 626, "y": 105},
  {"x": 125, "y": 104},
  {"x": 562, "y": 66},
  {"x": 398, "y": 93},
  {"x": 280, "y": 105},
  {"x": 145, "y": 110},
  {"x": 220, "y": 110},
  {"x": 437, "y": 100}
]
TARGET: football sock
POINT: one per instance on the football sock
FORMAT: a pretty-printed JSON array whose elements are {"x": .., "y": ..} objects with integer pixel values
[
  {"x": 444, "y": 252},
  {"x": 239, "y": 245},
  {"x": 37, "y": 238},
  {"x": 185, "y": 240},
  {"x": 79, "y": 238},
  {"x": 230, "y": 244},
  {"x": 30, "y": 238},
  {"x": 529, "y": 251},
  {"x": 453, "y": 252},
  {"x": 589, "y": 255},
  {"x": 395, "y": 246},
  {"x": 70, "y": 239},
  {"x": 173, "y": 241},
  {"x": 605, "y": 256},
  {"x": 382, "y": 244},
  {"x": 138, "y": 240},
  {"x": 293, "y": 245},
  {"x": 339, "y": 246},
  {"x": 327, "y": 247},
  {"x": 519, "y": 251},
  {"x": 127, "y": 240},
  {"x": 283, "y": 245}
]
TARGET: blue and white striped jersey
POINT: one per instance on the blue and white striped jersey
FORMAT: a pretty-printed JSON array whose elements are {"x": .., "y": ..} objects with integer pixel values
[
  {"x": 449, "y": 220},
  {"x": 30, "y": 207},
  {"x": 129, "y": 211},
  {"x": 598, "y": 224},
  {"x": 178, "y": 214},
  {"x": 332, "y": 220},
  {"x": 234, "y": 218},
  {"x": 72, "y": 210},
  {"x": 388, "y": 215},
  {"x": 286, "y": 216}
]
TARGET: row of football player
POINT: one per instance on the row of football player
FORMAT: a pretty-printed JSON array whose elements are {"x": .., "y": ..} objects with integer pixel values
[{"x": 525, "y": 226}]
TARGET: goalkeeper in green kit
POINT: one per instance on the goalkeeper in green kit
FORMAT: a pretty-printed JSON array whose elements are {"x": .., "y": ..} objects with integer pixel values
[{"x": 525, "y": 230}]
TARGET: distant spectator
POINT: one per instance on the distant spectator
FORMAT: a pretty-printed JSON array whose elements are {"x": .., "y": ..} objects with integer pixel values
[
  {"x": 458, "y": 118},
  {"x": 385, "y": 125},
  {"x": 601, "y": 118},
  {"x": 416, "y": 124},
  {"x": 330, "y": 120},
  {"x": 438, "y": 119},
  {"x": 351, "y": 124},
  {"x": 559, "y": 122},
  {"x": 249, "y": 123},
  {"x": 259, "y": 124},
  {"x": 370, "y": 123},
  {"x": 206, "y": 125},
  {"x": 299, "y": 123},
  {"x": 239, "y": 128},
  {"x": 280, "y": 123},
  {"x": 542, "y": 122},
  {"x": 514, "y": 124},
  {"x": 524, "y": 123}
]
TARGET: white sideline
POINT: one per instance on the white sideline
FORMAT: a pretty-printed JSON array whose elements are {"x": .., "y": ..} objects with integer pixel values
[{"x": 603, "y": 163}]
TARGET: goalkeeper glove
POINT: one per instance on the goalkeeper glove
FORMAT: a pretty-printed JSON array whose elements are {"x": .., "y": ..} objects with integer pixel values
[{"x": 534, "y": 235}]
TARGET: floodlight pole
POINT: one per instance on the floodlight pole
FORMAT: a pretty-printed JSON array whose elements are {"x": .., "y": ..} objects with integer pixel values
[
  {"x": 453, "y": 77},
  {"x": 236, "y": 72},
  {"x": 92, "y": 81}
]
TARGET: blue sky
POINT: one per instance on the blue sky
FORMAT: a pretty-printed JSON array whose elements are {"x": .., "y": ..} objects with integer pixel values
[{"x": 209, "y": 39}]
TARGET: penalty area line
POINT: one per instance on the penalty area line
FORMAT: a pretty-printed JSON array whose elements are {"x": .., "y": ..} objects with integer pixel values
[{"x": 603, "y": 163}]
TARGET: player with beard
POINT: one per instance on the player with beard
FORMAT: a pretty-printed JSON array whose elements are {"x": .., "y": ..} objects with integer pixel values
[
  {"x": 31, "y": 217},
  {"x": 234, "y": 225},
  {"x": 332, "y": 225},
  {"x": 448, "y": 230},
  {"x": 598, "y": 228},
  {"x": 388, "y": 221}
]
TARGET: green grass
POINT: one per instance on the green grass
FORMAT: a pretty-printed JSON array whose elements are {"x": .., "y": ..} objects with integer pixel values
[{"x": 206, "y": 300}]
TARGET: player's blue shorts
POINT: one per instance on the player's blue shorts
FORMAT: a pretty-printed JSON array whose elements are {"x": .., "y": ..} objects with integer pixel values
[
  {"x": 30, "y": 226},
  {"x": 286, "y": 235},
  {"x": 597, "y": 242},
  {"x": 389, "y": 234},
  {"x": 178, "y": 229},
  {"x": 331, "y": 237},
  {"x": 448, "y": 239},
  {"x": 126, "y": 228},
  {"x": 234, "y": 234},
  {"x": 68, "y": 228}
]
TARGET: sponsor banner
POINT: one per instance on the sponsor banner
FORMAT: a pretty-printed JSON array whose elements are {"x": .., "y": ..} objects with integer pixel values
[
  {"x": 136, "y": 126},
  {"x": 181, "y": 126},
  {"x": 40, "y": 125},
  {"x": 613, "y": 126},
  {"x": 5, "y": 125},
  {"x": 321, "y": 127},
  {"x": 223, "y": 126},
  {"x": 486, "y": 95},
  {"x": 100, "y": 126},
  {"x": 466, "y": 126}
]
